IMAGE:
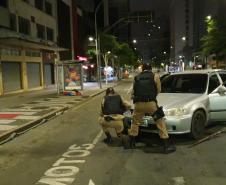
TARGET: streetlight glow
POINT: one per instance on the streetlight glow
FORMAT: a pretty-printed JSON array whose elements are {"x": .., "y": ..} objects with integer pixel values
[
  {"x": 91, "y": 39},
  {"x": 183, "y": 38},
  {"x": 134, "y": 41},
  {"x": 209, "y": 17}
]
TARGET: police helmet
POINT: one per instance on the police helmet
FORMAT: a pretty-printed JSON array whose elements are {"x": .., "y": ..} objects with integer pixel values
[
  {"x": 147, "y": 66},
  {"x": 110, "y": 90}
]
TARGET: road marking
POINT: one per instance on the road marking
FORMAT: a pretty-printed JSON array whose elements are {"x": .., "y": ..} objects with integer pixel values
[
  {"x": 23, "y": 113},
  {"x": 178, "y": 180},
  {"x": 91, "y": 182},
  {"x": 26, "y": 109},
  {"x": 97, "y": 137},
  {"x": 64, "y": 170},
  {"x": 27, "y": 117},
  {"x": 6, "y": 121},
  {"x": 7, "y": 127},
  {"x": 130, "y": 89}
]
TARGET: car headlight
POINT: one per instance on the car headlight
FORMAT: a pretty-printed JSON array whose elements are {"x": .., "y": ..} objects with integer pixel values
[{"x": 176, "y": 112}]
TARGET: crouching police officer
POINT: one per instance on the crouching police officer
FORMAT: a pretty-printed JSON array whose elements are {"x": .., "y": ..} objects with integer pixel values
[
  {"x": 111, "y": 116},
  {"x": 145, "y": 89}
]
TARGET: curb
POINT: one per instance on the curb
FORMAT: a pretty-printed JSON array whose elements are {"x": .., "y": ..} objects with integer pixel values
[{"x": 34, "y": 123}]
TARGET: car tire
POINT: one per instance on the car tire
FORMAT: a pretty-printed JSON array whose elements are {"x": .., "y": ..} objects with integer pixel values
[{"x": 198, "y": 124}]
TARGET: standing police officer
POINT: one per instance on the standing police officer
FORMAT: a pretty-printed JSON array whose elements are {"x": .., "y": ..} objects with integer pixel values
[
  {"x": 145, "y": 90},
  {"x": 111, "y": 116}
]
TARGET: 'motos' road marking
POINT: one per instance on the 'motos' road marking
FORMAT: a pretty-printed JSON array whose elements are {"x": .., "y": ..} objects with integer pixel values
[{"x": 64, "y": 170}]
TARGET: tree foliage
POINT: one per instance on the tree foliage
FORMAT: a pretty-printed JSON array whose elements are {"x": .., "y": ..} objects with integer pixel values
[
  {"x": 126, "y": 55},
  {"x": 110, "y": 48},
  {"x": 214, "y": 42}
]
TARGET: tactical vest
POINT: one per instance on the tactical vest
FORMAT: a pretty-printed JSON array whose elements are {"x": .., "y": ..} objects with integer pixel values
[
  {"x": 113, "y": 105},
  {"x": 145, "y": 89}
]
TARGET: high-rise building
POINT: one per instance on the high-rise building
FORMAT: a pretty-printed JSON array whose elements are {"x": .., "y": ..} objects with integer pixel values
[
  {"x": 188, "y": 26},
  {"x": 151, "y": 35}
]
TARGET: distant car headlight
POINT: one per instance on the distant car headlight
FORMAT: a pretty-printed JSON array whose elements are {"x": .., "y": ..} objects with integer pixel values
[{"x": 176, "y": 112}]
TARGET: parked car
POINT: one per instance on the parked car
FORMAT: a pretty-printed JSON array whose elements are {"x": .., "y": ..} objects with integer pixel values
[{"x": 191, "y": 100}]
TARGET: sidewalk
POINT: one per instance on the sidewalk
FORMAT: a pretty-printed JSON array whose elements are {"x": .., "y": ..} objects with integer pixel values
[{"x": 21, "y": 112}]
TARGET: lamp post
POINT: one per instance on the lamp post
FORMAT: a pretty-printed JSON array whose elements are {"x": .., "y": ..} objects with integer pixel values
[{"x": 97, "y": 40}]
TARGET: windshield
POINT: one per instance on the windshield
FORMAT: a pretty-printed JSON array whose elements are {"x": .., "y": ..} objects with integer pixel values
[{"x": 184, "y": 83}]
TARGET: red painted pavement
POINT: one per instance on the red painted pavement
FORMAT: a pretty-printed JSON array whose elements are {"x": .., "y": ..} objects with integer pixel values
[{"x": 8, "y": 116}]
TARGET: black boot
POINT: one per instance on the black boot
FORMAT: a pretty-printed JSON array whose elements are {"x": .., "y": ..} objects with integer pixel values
[
  {"x": 167, "y": 148},
  {"x": 132, "y": 142},
  {"x": 108, "y": 139},
  {"x": 128, "y": 142}
]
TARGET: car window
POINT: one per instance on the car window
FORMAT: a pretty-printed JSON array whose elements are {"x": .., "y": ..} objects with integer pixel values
[
  {"x": 213, "y": 83},
  {"x": 223, "y": 77},
  {"x": 184, "y": 83}
]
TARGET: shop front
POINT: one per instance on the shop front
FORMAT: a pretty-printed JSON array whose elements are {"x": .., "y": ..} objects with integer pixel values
[{"x": 11, "y": 76}]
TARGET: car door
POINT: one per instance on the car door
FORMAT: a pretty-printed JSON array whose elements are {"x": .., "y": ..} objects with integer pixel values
[{"x": 217, "y": 97}]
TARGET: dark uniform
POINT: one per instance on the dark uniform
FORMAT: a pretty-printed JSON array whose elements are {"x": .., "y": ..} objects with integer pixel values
[
  {"x": 145, "y": 90},
  {"x": 111, "y": 116}
]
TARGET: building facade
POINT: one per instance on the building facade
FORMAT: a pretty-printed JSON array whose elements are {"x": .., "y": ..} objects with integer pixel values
[
  {"x": 188, "y": 26},
  {"x": 28, "y": 42}
]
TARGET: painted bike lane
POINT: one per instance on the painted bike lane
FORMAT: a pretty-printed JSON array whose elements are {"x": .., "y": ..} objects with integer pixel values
[{"x": 66, "y": 168}]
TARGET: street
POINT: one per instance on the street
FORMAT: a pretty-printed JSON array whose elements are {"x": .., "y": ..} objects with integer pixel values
[{"x": 69, "y": 150}]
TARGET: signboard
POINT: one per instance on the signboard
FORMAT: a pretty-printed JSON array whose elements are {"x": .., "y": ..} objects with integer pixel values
[{"x": 72, "y": 76}]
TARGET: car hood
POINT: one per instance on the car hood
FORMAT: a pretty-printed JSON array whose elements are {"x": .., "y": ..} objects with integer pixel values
[{"x": 174, "y": 100}]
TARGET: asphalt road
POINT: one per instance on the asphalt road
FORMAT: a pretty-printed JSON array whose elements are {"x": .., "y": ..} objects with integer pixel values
[{"x": 68, "y": 150}]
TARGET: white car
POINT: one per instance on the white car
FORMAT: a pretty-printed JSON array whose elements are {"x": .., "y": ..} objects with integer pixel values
[{"x": 191, "y": 100}]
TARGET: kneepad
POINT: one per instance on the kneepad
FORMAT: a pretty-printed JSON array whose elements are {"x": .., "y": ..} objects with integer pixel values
[{"x": 158, "y": 114}]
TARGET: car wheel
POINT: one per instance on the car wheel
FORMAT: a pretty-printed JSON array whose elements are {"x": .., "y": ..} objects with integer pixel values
[{"x": 198, "y": 124}]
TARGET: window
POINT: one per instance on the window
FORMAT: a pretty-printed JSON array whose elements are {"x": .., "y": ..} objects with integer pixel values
[
  {"x": 4, "y": 3},
  {"x": 223, "y": 77},
  {"x": 213, "y": 83},
  {"x": 24, "y": 25},
  {"x": 49, "y": 33},
  {"x": 31, "y": 53},
  {"x": 39, "y": 4},
  {"x": 13, "y": 24},
  {"x": 40, "y": 31},
  {"x": 10, "y": 52},
  {"x": 184, "y": 83},
  {"x": 48, "y": 8}
]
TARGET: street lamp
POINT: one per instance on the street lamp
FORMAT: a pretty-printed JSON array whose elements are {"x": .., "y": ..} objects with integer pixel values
[
  {"x": 209, "y": 17},
  {"x": 97, "y": 44},
  {"x": 91, "y": 39},
  {"x": 183, "y": 38},
  {"x": 134, "y": 41}
]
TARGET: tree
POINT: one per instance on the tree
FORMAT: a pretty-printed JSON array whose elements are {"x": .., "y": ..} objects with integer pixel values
[
  {"x": 214, "y": 42},
  {"x": 126, "y": 55}
]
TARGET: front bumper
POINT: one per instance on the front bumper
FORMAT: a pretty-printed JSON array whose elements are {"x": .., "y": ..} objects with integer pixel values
[{"x": 174, "y": 124}]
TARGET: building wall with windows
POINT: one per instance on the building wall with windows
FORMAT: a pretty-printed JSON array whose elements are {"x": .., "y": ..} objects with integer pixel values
[{"x": 28, "y": 40}]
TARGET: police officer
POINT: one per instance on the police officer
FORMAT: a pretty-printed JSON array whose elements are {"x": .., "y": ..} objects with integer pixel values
[
  {"x": 111, "y": 116},
  {"x": 145, "y": 90}
]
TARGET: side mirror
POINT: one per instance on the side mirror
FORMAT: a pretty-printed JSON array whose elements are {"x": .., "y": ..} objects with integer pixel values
[{"x": 221, "y": 89}]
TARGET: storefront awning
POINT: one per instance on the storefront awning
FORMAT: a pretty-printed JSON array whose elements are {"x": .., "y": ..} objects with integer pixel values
[{"x": 19, "y": 42}]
